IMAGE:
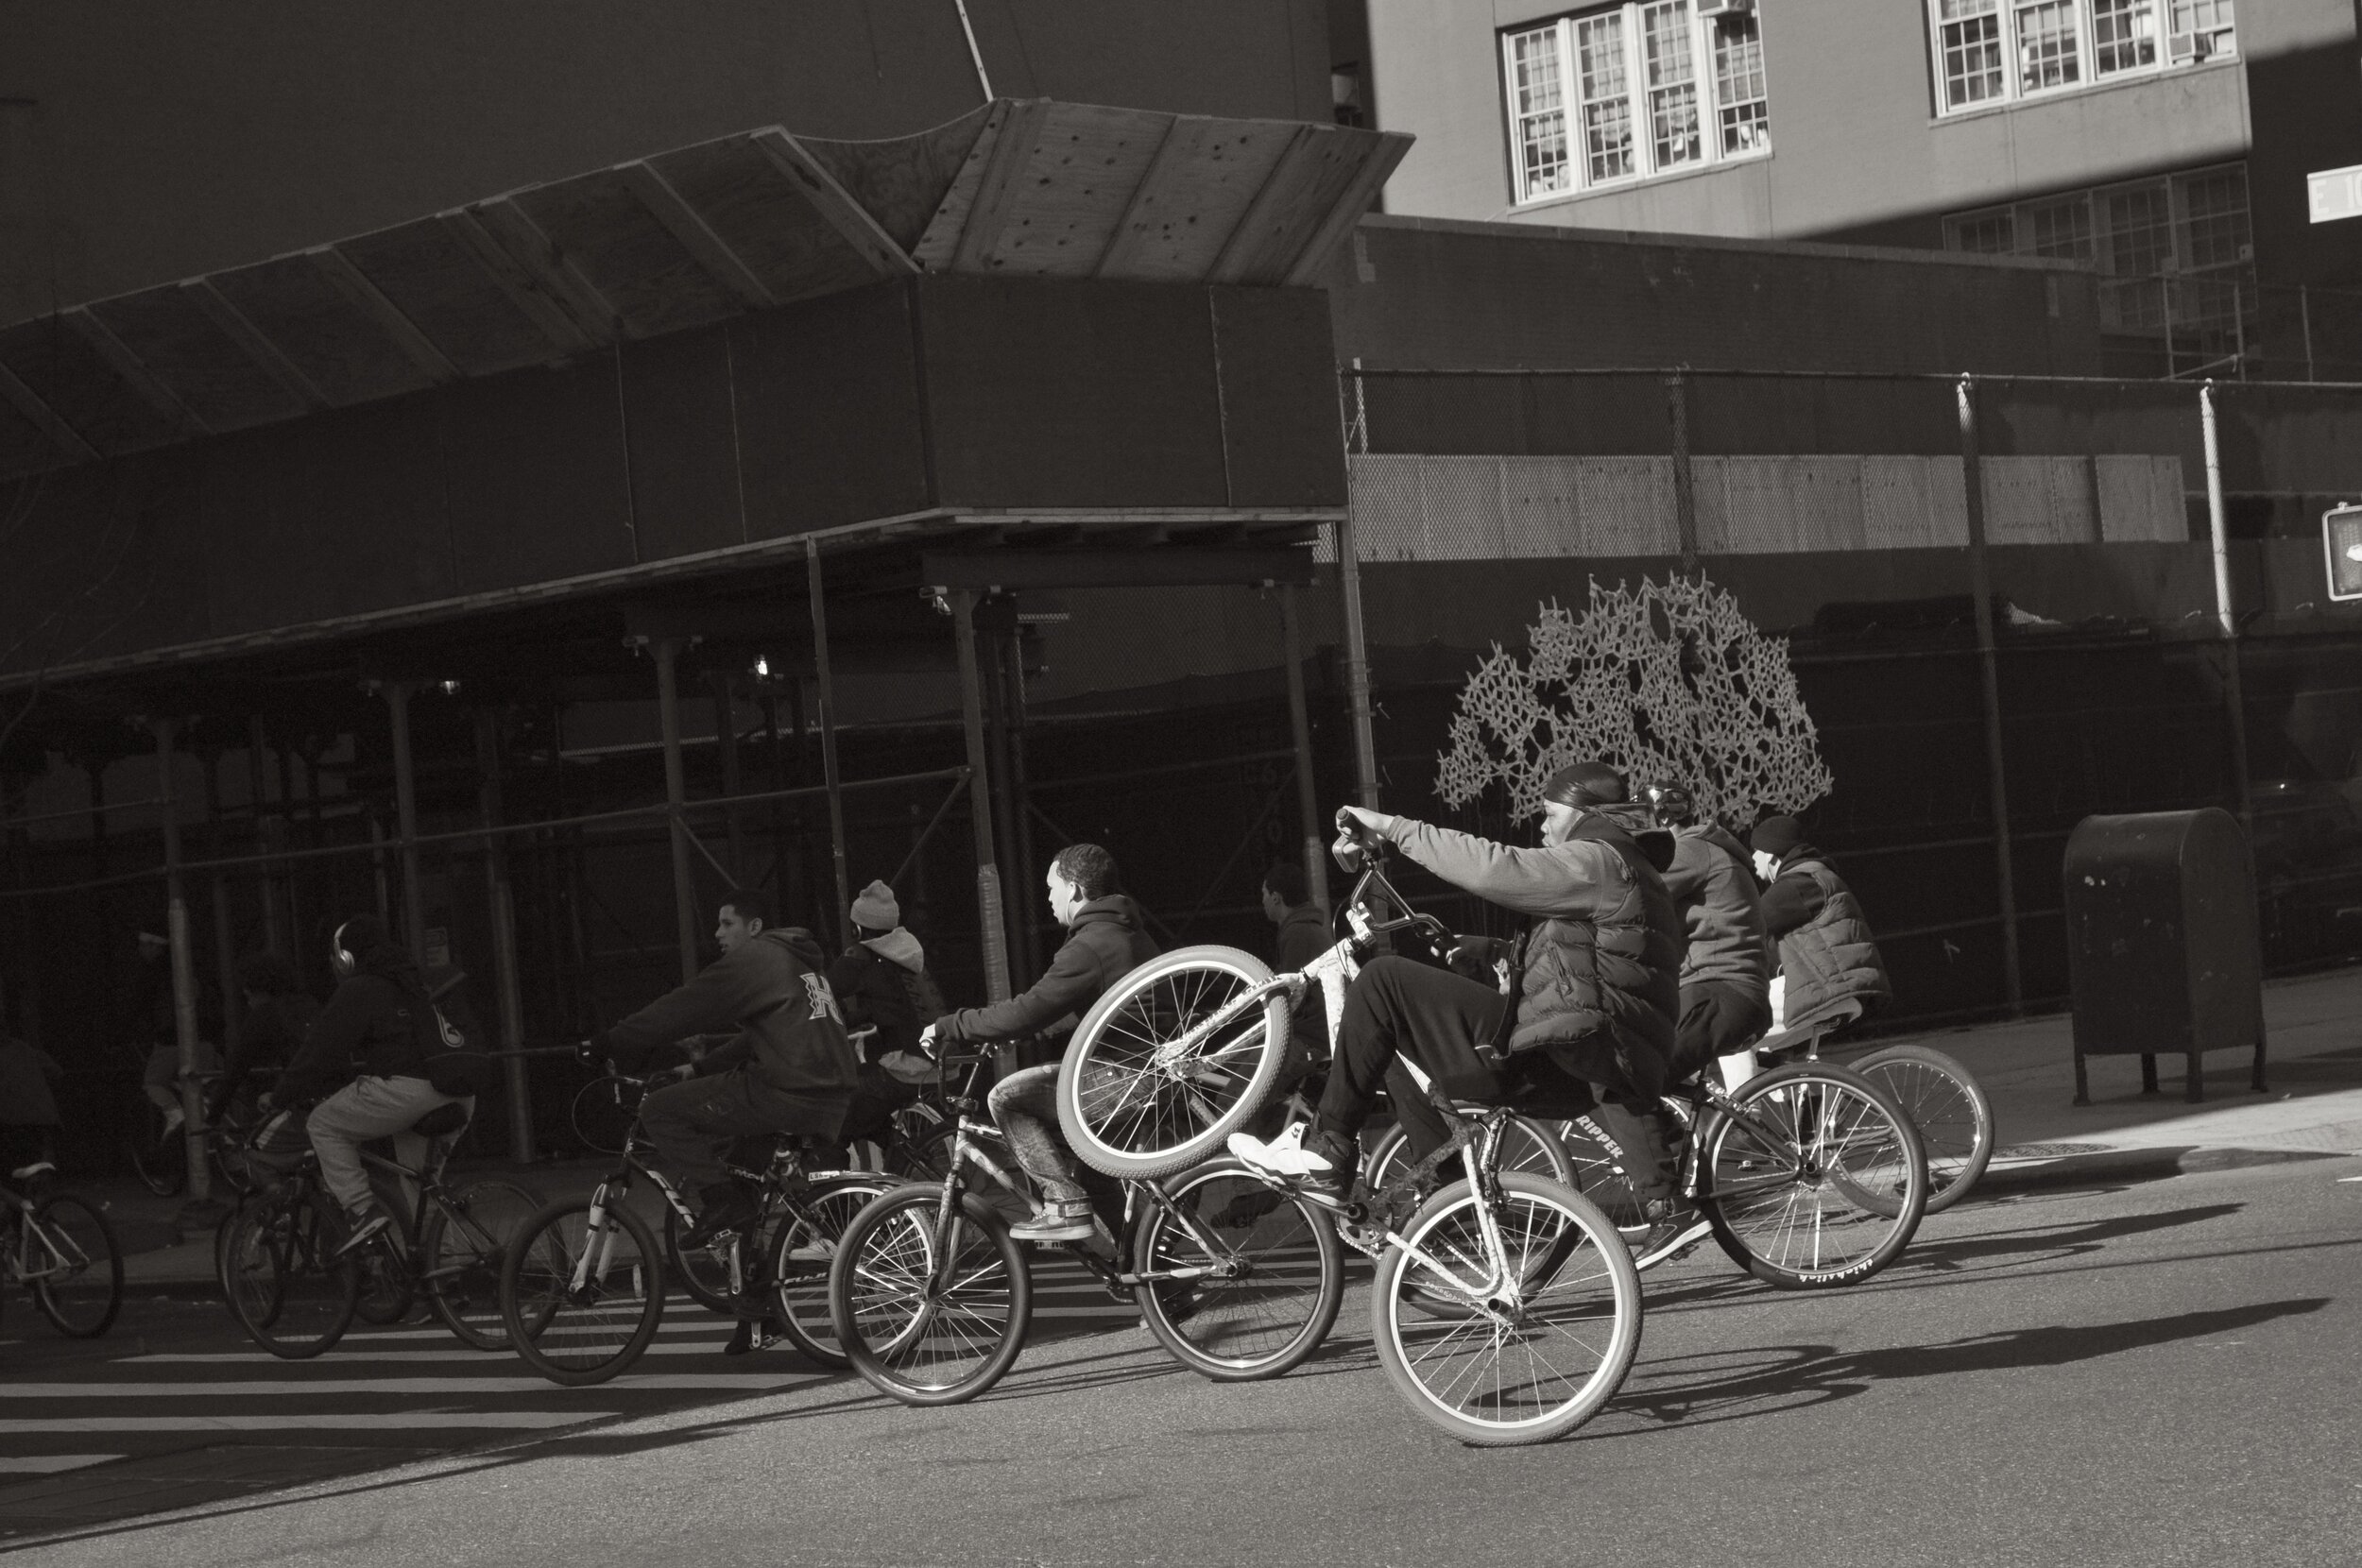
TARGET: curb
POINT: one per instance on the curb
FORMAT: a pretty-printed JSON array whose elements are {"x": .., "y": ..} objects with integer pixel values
[{"x": 2130, "y": 1164}]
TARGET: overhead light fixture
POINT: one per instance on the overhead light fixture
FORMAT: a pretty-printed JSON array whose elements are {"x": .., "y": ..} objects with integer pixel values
[
  {"x": 762, "y": 668},
  {"x": 451, "y": 689}
]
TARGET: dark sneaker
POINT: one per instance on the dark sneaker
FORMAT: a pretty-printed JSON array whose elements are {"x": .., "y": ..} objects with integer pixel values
[
  {"x": 1178, "y": 1298},
  {"x": 727, "y": 1207},
  {"x": 1320, "y": 1165},
  {"x": 1058, "y": 1220},
  {"x": 365, "y": 1223},
  {"x": 1672, "y": 1231},
  {"x": 752, "y": 1336}
]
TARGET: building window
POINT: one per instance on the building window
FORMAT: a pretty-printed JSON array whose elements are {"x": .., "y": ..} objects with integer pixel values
[
  {"x": 1633, "y": 81},
  {"x": 1990, "y": 51}
]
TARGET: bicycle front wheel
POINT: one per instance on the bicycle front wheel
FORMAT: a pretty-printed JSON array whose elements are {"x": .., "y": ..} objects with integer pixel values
[
  {"x": 1947, "y": 1108},
  {"x": 602, "y": 1113},
  {"x": 461, "y": 1247},
  {"x": 1248, "y": 1285},
  {"x": 74, "y": 1266},
  {"x": 932, "y": 1307},
  {"x": 1170, "y": 1061},
  {"x": 288, "y": 1292},
  {"x": 801, "y": 1252},
  {"x": 1818, "y": 1182},
  {"x": 1529, "y": 1356},
  {"x": 582, "y": 1291}
]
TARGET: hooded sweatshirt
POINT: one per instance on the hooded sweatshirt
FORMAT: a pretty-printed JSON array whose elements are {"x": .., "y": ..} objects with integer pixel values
[
  {"x": 881, "y": 983},
  {"x": 1103, "y": 944},
  {"x": 370, "y": 1028},
  {"x": 772, "y": 991}
]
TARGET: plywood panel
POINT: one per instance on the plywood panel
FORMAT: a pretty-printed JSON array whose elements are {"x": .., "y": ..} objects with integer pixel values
[
  {"x": 940, "y": 241},
  {"x": 1075, "y": 186},
  {"x": 2017, "y": 502},
  {"x": 1209, "y": 173},
  {"x": 338, "y": 348},
  {"x": 2141, "y": 499},
  {"x": 438, "y": 283},
  {"x": 1625, "y": 506},
  {"x": 80, "y": 388},
  {"x": 755, "y": 209},
  {"x": 617, "y": 245},
  {"x": 1388, "y": 507},
  {"x": 1459, "y": 508},
  {"x": 1913, "y": 502},
  {"x": 1318, "y": 169},
  {"x": 684, "y": 461},
  {"x": 901, "y": 182},
  {"x": 182, "y": 348},
  {"x": 1279, "y": 396},
  {"x": 536, "y": 465}
]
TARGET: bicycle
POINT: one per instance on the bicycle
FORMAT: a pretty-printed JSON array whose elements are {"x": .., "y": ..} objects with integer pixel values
[
  {"x": 583, "y": 1290},
  {"x": 1945, "y": 1102},
  {"x": 295, "y": 1294},
  {"x": 62, "y": 1249},
  {"x": 933, "y": 1297}
]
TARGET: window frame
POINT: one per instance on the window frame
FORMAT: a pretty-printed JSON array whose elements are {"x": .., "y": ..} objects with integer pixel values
[
  {"x": 2004, "y": 16},
  {"x": 1638, "y": 96}
]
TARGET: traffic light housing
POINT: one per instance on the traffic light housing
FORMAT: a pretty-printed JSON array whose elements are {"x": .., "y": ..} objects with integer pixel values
[{"x": 2341, "y": 544}]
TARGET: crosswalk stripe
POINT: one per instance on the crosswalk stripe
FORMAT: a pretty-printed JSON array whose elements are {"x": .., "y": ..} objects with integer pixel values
[
  {"x": 325, "y": 1421},
  {"x": 290, "y": 1387},
  {"x": 50, "y": 1464}
]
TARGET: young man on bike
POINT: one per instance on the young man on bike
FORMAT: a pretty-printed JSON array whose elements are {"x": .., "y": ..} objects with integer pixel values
[
  {"x": 1826, "y": 952},
  {"x": 1597, "y": 984},
  {"x": 1725, "y": 976},
  {"x": 881, "y": 985},
  {"x": 1103, "y": 944},
  {"x": 366, "y": 1059},
  {"x": 790, "y": 1069}
]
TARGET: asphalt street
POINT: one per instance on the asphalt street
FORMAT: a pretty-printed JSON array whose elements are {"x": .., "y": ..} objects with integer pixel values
[{"x": 2110, "y": 1359}]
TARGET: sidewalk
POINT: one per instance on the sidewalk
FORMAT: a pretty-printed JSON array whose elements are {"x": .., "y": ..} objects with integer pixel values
[{"x": 2313, "y": 1067}]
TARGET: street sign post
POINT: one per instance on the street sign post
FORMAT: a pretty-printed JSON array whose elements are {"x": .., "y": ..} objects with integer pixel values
[{"x": 2335, "y": 193}]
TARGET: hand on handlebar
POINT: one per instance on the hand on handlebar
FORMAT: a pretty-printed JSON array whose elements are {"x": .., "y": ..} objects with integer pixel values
[{"x": 1358, "y": 829}]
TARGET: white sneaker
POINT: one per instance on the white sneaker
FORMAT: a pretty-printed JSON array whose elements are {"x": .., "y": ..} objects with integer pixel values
[{"x": 1285, "y": 1158}]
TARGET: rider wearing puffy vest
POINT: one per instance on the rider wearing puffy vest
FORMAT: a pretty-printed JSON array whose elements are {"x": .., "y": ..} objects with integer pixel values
[
  {"x": 1726, "y": 974},
  {"x": 1826, "y": 951},
  {"x": 1595, "y": 992}
]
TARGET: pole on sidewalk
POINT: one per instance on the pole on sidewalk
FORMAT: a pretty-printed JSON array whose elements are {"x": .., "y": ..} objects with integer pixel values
[
  {"x": 406, "y": 819},
  {"x": 1356, "y": 660},
  {"x": 988, "y": 901},
  {"x": 824, "y": 690},
  {"x": 1989, "y": 684},
  {"x": 1300, "y": 728},
  {"x": 667, "y": 652},
  {"x": 501, "y": 901},
  {"x": 266, "y": 834},
  {"x": 2226, "y": 613},
  {"x": 726, "y": 740},
  {"x": 184, "y": 1027}
]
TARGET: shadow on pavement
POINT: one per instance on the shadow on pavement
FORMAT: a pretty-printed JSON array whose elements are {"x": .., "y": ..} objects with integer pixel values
[{"x": 1769, "y": 1380}]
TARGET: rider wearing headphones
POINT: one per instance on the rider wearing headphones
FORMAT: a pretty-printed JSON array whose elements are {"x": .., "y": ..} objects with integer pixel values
[
  {"x": 368, "y": 1052},
  {"x": 1596, "y": 979}
]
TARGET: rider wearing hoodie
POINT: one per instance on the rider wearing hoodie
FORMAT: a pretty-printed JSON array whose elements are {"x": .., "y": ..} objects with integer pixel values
[
  {"x": 881, "y": 983},
  {"x": 791, "y": 1068},
  {"x": 1103, "y": 944}
]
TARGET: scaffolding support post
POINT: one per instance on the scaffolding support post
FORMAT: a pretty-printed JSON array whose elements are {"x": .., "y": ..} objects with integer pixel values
[
  {"x": 1356, "y": 662},
  {"x": 667, "y": 654},
  {"x": 184, "y": 1028},
  {"x": 726, "y": 741},
  {"x": 406, "y": 819},
  {"x": 2226, "y": 613},
  {"x": 824, "y": 694},
  {"x": 501, "y": 901},
  {"x": 1300, "y": 727},
  {"x": 1989, "y": 686},
  {"x": 989, "y": 911},
  {"x": 266, "y": 834}
]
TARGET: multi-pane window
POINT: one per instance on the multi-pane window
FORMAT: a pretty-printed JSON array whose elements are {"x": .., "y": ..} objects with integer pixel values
[
  {"x": 2062, "y": 229},
  {"x": 1628, "y": 90},
  {"x": 1990, "y": 51}
]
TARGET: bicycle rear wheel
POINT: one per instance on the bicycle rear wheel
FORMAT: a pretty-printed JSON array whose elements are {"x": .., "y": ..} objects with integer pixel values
[
  {"x": 1819, "y": 1183},
  {"x": 1947, "y": 1108},
  {"x": 461, "y": 1247},
  {"x": 1514, "y": 1365},
  {"x": 931, "y": 1308},
  {"x": 292, "y": 1298},
  {"x": 711, "y": 1274},
  {"x": 1527, "y": 1145},
  {"x": 160, "y": 1158},
  {"x": 1147, "y": 1086},
  {"x": 582, "y": 1291},
  {"x": 1272, "y": 1274},
  {"x": 1596, "y": 1165},
  {"x": 800, "y": 1252},
  {"x": 74, "y": 1266}
]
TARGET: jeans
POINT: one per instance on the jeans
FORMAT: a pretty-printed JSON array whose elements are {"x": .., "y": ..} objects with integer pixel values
[
  {"x": 1025, "y": 1108},
  {"x": 691, "y": 1126},
  {"x": 370, "y": 1108}
]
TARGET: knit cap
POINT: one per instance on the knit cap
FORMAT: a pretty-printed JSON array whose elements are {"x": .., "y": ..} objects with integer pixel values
[
  {"x": 1776, "y": 836},
  {"x": 875, "y": 910}
]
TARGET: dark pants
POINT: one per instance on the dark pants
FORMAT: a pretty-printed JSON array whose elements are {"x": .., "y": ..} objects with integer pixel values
[
  {"x": 871, "y": 1114},
  {"x": 1398, "y": 1008},
  {"x": 1718, "y": 1017},
  {"x": 691, "y": 1126}
]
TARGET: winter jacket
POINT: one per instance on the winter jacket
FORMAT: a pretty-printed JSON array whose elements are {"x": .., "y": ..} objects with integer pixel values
[
  {"x": 27, "y": 1073},
  {"x": 1826, "y": 951},
  {"x": 1713, "y": 883},
  {"x": 1103, "y": 944},
  {"x": 1601, "y": 959},
  {"x": 377, "y": 1025},
  {"x": 773, "y": 991},
  {"x": 881, "y": 982}
]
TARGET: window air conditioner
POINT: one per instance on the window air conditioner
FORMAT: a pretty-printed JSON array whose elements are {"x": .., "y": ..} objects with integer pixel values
[{"x": 1727, "y": 8}]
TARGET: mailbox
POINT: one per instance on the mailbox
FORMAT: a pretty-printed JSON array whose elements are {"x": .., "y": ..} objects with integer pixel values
[{"x": 2162, "y": 944}]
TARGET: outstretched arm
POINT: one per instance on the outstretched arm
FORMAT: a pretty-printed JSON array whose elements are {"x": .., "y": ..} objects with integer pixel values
[{"x": 1531, "y": 881}]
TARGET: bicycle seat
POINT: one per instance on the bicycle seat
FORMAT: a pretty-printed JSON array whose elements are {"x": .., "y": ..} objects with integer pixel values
[{"x": 1826, "y": 1018}]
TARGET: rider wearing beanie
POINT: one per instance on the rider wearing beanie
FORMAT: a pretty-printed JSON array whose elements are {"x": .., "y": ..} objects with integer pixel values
[
  {"x": 1826, "y": 951},
  {"x": 1597, "y": 981}
]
